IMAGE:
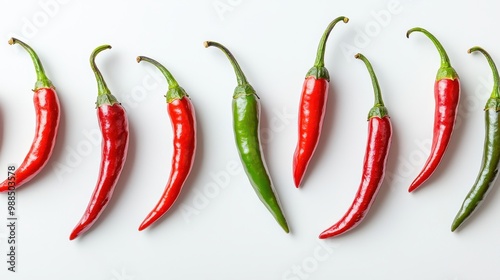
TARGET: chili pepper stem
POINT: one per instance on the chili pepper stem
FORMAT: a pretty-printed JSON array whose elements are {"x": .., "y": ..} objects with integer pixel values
[
  {"x": 320, "y": 55},
  {"x": 378, "y": 109},
  {"x": 445, "y": 70},
  {"x": 42, "y": 80},
  {"x": 104, "y": 95},
  {"x": 240, "y": 77},
  {"x": 170, "y": 79},
  {"x": 174, "y": 90},
  {"x": 445, "y": 61},
  {"x": 318, "y": 70},
  {"x": 496, "y": 89}
]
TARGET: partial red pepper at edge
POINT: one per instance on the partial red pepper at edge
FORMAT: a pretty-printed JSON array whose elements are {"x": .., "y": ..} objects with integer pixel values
[
  {"x": 312, "y": 108},
  {"x": 48, "y": 113},
  {"x": 377, "y": 150},
  {"x": 183, "y": 120},
  {"x": 113, "y": 123},
  {"x": 447, "y": 96}
]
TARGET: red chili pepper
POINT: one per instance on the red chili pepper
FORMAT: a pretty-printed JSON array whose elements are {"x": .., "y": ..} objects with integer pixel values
[
  {"x": 183, "y": 120},
  {"x": 47, "y": 111},
  {"x": 312, "y": 108},
  {"x": 447, "y": 95},
  {"x": 115, "y": 137},
  {"x": 377, "y": 149}
]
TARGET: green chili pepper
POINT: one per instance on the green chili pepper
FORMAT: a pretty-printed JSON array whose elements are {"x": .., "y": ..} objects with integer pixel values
[
  {"x": 491, "y": 155},
  {"x": 246, "y": 114}
]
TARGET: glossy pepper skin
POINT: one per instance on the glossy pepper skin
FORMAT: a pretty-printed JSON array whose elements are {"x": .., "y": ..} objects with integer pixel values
[
  {"x": 377, "y": 150},
  {"x": 183, "y": 121},
  {"x": 312, "y": 108},
  {"x": 246, "y": 122},
  {"x": 113, "y": 124},
  {"x": 447, "y": 96},
  {"x": 47, "y": 110},
  {"x": 488, "y": 171}
]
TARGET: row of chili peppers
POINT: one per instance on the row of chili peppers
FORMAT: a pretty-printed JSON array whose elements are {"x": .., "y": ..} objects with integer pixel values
[{"x": 113, "y": 123}]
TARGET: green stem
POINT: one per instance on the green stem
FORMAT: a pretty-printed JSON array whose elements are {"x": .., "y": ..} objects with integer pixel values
[
  {"x": 496, "y": 91},
  {"x": 445, "y": 61},
  {"x": 104, "y": 96},
  {"x": 378, "y": 110},
  {"x": 320, "y": 55},
  {"x": 170, "y": 79},
  {"x": 174, "y": 90},
  {"x": 240, "y": 77},
  {"x": 376, "y": 88},
  {"x": 102, "y": 88},
  {"x": 42, "y": 80}
]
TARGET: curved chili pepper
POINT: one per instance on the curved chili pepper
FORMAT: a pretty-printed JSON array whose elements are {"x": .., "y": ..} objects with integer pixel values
[
  {"x": 312, "y": 108},
  {"x": 447, "y": 95},
  {"x": 115, "y": 137},
  {"x": 377, "y": 149},
  {"x": 491, "y": 155},
  {"x": 47, "y": 110},
  {"x": 183, "y": 120},
  {"x": 246, "y": 115}
]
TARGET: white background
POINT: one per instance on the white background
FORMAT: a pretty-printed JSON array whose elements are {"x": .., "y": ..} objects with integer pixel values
[{"x": 218, "y": 229}]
